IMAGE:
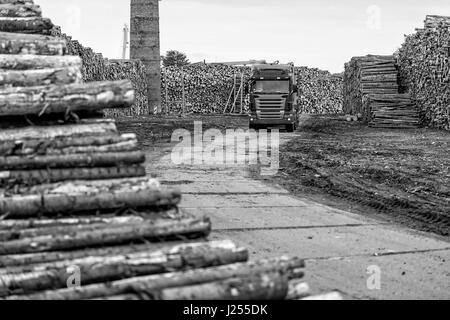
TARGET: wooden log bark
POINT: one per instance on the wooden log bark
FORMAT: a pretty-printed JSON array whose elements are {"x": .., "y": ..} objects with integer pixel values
[
  {"x": 150, "y": 286},
  {"x": 103, "y": 269},
  {"x": 29, "y": 61},
  {"x": 55, "y": 231},
  {"x": 108, "y": 159},
  {"x": 16, "y": 225},
  {"x": 16, "y": 43},
  {"x": 20, "y": 10},
  {"x": 62, "y": 98},
  {"x": 33, "y": 25},
  {"x": 113, "y": 235},
  {"x": 33, "y": 177},
  {"x": 258, "y": 287},
  {"x": 70, "y": 145},
  {"x": 71, "y": 199},
  {"x": 227, "y": 250},
  {"x": 28, "y": 78},
  {"x": 11, "y": 262},
  {"x": 62, "y": 131}
]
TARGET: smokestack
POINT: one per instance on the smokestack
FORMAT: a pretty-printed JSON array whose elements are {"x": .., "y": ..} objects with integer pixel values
[{"x": 145, "y": 46}]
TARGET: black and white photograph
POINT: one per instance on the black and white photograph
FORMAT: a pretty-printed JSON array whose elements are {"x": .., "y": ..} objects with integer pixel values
[{"x": 236, "y": 158}]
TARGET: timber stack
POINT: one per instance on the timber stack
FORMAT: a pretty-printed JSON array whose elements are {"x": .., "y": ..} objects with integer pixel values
[
  {"x": 76, "y": 222},
  {"x": 320, "y": 92},
  {"x": 204, "y": 88},
  {"x": 97, "y": 68},
  {"x": 371, "y": 92},
  {"x": 424, "y": 64}
]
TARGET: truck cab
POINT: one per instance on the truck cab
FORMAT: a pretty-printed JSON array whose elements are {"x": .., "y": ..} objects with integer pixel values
[{"x": 273, "y": 97}]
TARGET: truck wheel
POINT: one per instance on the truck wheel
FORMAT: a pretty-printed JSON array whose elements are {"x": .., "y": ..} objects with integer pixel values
[{"x": 290, "y": 128}]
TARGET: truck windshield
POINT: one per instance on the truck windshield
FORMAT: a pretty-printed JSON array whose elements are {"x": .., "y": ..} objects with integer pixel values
[{"x": 268, "y": 86}]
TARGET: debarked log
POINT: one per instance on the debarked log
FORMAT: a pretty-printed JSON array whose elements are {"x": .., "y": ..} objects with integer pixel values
[
  {"x": 112, "y": 235},
  {"x": 107, "y": 159},
  {"x": 18, "y": 43},
  {"x": 150, "y": 287},
  {"x": 63, "y": 98},
  {"x": 73, "y": 198},
  {"x": 31, "y": 177},
  {"x": 28, "y": 78},
  {"x": 102, "y": 269}
]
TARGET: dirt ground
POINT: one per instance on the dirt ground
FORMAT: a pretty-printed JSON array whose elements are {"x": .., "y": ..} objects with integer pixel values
[
  {"x": 159, "y": 129},
  {"x": 398, "y": 175},
  {"x": 403, "y": 174}
]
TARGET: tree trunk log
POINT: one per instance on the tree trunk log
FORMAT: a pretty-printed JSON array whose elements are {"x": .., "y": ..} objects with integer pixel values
[
  {"x": 63, "y": 131},
  {"x": 20, "y": 10},
  {"x": 72, "y": 199},
  {"x": 26, "y": 25},
  {"x": 109, "y": 159},
  {"x": 17, "y": 43},
  {"x": 70, "y": 145},
  {"x": 21, "y": 260},
  {"x": 18, "y": 225},
  {"x": 151, "y": 286},
  {"x": 103, "y": 269},
  {"x": 55, "y": 231},
  {"x": 27, "y": 62},
  {"x": 62, "y": 98},
  {"x": 113, "y": 235},
  {"x": 34, "y": 177},
  {"x": 260, "y": 287},
  {"x": 28, "y": 78}
]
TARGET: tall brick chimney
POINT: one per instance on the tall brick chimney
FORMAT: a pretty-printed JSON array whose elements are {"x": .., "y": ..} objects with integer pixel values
[{"x": 145, "y": 45}]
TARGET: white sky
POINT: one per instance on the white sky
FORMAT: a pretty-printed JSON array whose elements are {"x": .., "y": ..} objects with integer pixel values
[{"x": 314, "y": 33}]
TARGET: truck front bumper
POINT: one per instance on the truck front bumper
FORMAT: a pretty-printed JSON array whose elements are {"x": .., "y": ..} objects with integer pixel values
[{"x": 287, "y": 120}]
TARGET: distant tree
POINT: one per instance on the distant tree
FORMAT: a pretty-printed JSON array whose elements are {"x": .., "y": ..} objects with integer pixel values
[{"x": 175, "y": 58}]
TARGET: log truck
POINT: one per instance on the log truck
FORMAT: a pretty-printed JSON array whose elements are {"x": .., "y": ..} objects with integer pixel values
[{"x": 273, "y": 96}]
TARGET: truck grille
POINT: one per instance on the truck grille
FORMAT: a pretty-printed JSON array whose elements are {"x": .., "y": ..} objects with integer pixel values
[{"x": 270, "y": 107}]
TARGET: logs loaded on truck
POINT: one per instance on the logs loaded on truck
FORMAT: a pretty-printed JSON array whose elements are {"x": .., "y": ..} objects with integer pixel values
[{"x": 78, "y": 217}]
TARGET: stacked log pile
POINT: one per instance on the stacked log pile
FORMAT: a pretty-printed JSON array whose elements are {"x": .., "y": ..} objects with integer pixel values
[
  {"x": 424, "y": 64},
  {"x": 96, "y": 68},
  {"x": 320, "y": 92},
  {"x": 371, "y": 92},
  {"x": 207, "y": 87},
  {"x": 112, "y": 239}
]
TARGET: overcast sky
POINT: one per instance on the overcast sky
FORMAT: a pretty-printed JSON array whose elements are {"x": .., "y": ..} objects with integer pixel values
[{"x": 315, "y": 33}]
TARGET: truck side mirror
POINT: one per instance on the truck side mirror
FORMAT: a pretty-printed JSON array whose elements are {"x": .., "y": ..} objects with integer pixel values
[{"x": 295, "y": 89}]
